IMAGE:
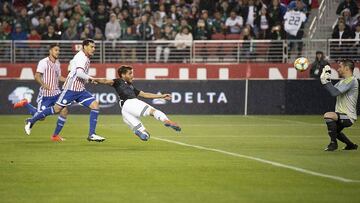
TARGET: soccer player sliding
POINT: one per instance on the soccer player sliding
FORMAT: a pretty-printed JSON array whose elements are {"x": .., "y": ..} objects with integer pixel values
[
  {"x": 346, "y": 92},
  {"x": 132, "y": 108}
]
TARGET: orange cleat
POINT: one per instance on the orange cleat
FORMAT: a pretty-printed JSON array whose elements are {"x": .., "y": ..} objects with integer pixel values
[
  {"x": 57, "y": 138},
  {"x": 172, "y": 125},
  {"x": 21, "y": 103}
]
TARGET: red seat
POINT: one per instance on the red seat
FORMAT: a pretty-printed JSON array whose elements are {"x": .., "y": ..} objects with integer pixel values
[
  {"x": 233, "y": 37},
  {"x": 218, "y": 36}
]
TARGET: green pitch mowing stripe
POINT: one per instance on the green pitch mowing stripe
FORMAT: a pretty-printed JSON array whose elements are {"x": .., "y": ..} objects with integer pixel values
[
  {"x": 301, "y": 170},
  {"x": 125, "y": 169}
]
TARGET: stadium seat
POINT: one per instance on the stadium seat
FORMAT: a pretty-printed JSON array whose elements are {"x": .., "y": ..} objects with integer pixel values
[{"x": 218, "y": 36}]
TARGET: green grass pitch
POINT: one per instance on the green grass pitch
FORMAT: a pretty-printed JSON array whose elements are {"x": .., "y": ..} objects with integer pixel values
[{"x": 126, "y": 169}]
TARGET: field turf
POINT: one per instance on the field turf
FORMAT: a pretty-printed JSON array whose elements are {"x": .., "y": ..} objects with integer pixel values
[{"x": 214, "y": 159}]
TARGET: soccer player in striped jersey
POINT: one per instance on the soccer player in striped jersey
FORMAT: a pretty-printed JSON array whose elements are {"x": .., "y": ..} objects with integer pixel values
[
  {"x": 74, "y": 90},
  {"x": 346, "y": 92},
  {"x": 48, "y": 75}
]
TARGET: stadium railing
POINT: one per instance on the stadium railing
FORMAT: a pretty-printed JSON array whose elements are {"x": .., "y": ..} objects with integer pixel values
[{"x": 197, "y": 51}]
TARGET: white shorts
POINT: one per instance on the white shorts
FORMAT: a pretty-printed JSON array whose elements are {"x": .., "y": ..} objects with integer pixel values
[{"x": 132, "y": 110}]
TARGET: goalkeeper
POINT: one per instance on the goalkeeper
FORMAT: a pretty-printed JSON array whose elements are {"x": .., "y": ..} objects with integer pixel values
[{"x": 346, "y": 92}]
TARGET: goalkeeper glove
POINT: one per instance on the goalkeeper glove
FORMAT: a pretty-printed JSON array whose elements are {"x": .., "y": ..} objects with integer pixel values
[{"x": 325, "y": 75}]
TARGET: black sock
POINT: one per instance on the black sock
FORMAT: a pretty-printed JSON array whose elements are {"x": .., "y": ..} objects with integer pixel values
[
  {"x": 332, "y": 129},
  {"x": 342, "y": 137}
]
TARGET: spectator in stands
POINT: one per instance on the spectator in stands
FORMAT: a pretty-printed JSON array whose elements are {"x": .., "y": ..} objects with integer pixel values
[
  {"x": 3, "y": 34},
  {"x": 168, "y": 34},
  {"x": 86, "y": 34},
  {"x": 101, "y": 17},
  {"x": 71, "y": 32},
  {"x": 183, "y": 22},
  {"x": 294, "y": 25},
  {"x": 6, "y": 27},
  {"x": 318, "y": 65},
  {"x": 218, "y": 24},
  {"x": 65, "y": 4},
  {"x": 250, "y": 12},
  {"x": 298, "y": 5},
  {"x": 247, "y": 48},
  {"x": 50, "y": 34},
  {"x": 23, "y": 20},
  {"x": 6, "y": 13},
  {"x": 346, "y": 14},
  {"x": 98, "y": 35},
  {"x": 276, "y": 51},
  {"x": 234, "y": 23},
  {"x": 123, "y": 24},
  {"x": 183, "y": 41},
  {"x": 42, "y": 27},
  {"x": 277, "y": 11},
  {"x": 145, "y": 31},
  {"x": 33, "y": 45},
  {"x": 201, "y": 33},
  {"x": 34, "y": 8},
  {"x": 18, "y": 33},
  {"x": 112, "y": 30},
  {"x": 59, "y": 28},
  {"x": 339, "y": 48},
  {"x": 350, "y": 4},
  {"x": 129, "y": 36},
  {"x": 263, "y": 24}
]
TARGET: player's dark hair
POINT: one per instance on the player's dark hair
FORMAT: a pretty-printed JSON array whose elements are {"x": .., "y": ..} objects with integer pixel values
[
  {"x": 349, "y": 63},
  {"x": 124, "y": 69},
  {"x": 87, "y": 42},
  {"x": 54, "y": 45}
]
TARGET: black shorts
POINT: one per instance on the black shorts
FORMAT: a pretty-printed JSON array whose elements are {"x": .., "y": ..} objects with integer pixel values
[{"x": 343, "y": 121}]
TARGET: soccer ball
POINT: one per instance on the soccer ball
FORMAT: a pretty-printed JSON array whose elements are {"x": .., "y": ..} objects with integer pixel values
[{"x": 301, "y": 64}]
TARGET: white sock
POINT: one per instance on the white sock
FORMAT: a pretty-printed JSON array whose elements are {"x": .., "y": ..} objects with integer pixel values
[{"x": 159, "y": 115}]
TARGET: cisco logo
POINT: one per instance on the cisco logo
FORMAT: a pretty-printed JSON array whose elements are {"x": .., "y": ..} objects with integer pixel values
[{"x": 106, "y": 100}]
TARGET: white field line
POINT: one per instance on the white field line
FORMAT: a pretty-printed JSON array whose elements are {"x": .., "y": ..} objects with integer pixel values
[{"x": 294, "y": 168}]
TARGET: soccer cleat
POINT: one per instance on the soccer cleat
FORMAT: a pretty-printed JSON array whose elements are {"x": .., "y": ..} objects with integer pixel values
[
  {"x": 57, "y": 138},
  {"x": 351, "y": 147},
  {"x": 331, "y": 147},
  {"x": 28, "y": 126},
  {"x": 172, "y": 125},
  {"x": 21, "y": 103},
  {"x": 95, "y": 138},
  {"x": 144, "y": 136}
]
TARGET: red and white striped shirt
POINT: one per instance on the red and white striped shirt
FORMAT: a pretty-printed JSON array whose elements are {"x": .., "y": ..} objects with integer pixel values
[
  {"x": 73, "y": 82},
  {"x": 51, "y": 73}
]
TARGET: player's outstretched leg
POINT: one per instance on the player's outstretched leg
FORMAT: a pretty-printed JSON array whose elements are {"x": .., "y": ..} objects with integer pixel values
[
  {"x": 40, "y": 115},
  {"x": 94, "y": 113},
  {"x": 136, "y": 126},
  {"x": 24, "y": 103},
  {"x": 159, "y": 115},
  {"x": 59, "y": 125}
]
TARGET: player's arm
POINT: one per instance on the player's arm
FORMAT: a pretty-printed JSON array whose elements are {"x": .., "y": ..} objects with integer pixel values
[
  {"x": 148, "y": 95},
  {"x": 62, "y": 79},
  {"x": 104, "y": 81},
  {"x": 334, "y": 91},
  {"x": 38, "y": 79}
]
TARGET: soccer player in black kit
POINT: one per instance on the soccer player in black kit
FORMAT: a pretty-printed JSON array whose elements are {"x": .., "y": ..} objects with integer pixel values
[{"x": 132, "y": 108}]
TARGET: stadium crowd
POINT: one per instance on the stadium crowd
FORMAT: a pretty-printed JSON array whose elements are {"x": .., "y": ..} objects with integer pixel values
[
  {"x": 347, "y": 26},
  {"x": 145, "y": 19}
]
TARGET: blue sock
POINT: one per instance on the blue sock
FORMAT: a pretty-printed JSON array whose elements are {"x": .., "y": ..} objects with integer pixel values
[
  {"x": 59, "y": 125},
  {"x": 40, "y": 115},
  {"x": 32, "y": 110},
  {"x": 93, "y": 121}
]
